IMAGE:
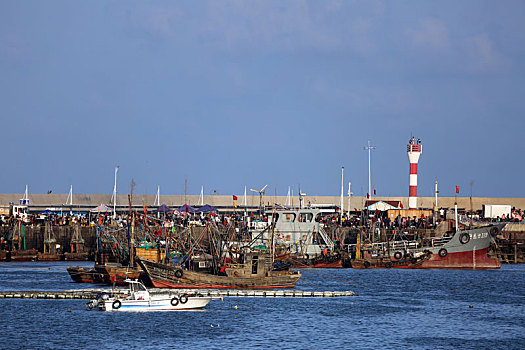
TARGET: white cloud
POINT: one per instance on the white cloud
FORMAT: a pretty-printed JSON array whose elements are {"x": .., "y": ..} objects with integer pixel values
[
  {"x": 430, "y": 32},
  {"x": 158, "y": 21},
  {"x": 286, "y": 25},
  {"x": 482, "y": 52},
  {"x": 12, "y": 46}
]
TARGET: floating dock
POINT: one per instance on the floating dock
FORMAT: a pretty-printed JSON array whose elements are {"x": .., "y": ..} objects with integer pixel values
[{"x": 92, "y": 293}]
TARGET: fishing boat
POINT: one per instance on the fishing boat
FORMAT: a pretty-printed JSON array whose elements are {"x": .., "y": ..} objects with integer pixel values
[
  {"x": 139, "y": 298},
  {"x": 255, "y": 272},
  {"x": 85, "y": 275},
  {"x": 116, "y": 273},
  {"x": 51, "y": 248},
  {"x": 400, "y": 260},
  {"x": 301, "y": 241},
  {"x": 463, "y": 249},
  {"x": 18, "y": 245},
  {"x": 77, "y": 247}
]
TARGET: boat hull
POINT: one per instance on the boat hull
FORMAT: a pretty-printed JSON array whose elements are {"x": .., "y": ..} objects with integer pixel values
[
  {"x": 163, "y": 276},
  {"x": 162, "y": 304},
  {"x": 471, "y": 260},
  {"x": 24, "y": 255},
  {"x": 76, "y": 256},
  {"x": 117, "y": 274},
  {"x": 49, "y": 257},
  {"x": 466, "y": 249},
  {"x": 83, "y": 275}
]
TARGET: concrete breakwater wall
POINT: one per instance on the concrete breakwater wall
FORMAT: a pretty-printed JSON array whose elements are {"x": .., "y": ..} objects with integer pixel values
[{"x": 84, "y": 202}]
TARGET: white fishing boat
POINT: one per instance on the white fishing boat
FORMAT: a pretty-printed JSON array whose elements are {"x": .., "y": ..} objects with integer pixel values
[{"x": 140, "y": 299}]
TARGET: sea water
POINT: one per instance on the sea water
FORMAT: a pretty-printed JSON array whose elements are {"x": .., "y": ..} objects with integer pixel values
[{"x": 393, "y": 309}]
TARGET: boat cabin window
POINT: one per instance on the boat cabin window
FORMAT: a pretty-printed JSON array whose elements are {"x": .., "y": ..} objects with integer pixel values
[
  {"x": 137, "y": 287},
  {"x": 289, "y": 217},
  {"x": 305, "y": 217}
]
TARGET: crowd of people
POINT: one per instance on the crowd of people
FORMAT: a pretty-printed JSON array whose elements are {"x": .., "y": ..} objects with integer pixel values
[{"x": 362, "y": 218}]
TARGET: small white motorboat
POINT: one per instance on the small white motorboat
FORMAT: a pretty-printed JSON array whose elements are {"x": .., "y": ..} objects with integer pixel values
[{"x": 139, "y": 299}]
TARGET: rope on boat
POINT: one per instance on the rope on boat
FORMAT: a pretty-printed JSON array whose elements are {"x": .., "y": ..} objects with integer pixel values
[
  {"x": 310, "y": 284},
  {"x": 484, "y": 281}
]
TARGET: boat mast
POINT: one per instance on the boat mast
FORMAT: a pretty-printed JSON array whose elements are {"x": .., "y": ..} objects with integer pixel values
[
  {"x": 157, "y": 197},
  {"x": 69, "y": 200},
  {"x": 342, "y": 186},
  {"x": 369, "y": 148}
]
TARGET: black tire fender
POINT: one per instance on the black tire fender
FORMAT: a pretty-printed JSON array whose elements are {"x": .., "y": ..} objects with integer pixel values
[
  {"x": 464, "y": 238},
  {"x": 116, "y": 304},
  {"x": 398, "y": 255},
  {"x": 174, "y": 301},
  {"x": 179, "y": 273},
  {"x": 366, "y": 264},
  {"x": 443, "y": 252},
  {"x": 183, "y": 298}
]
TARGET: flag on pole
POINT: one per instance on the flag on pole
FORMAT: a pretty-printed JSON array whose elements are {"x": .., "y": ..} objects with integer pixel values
[
  {"x": 374, "y": 191},
  {"x": 234, "y": 197},
  {"x": 457, "y": 189}
]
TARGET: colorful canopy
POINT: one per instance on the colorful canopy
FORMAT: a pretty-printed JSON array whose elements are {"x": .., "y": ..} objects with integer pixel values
[
  {"x": 206, "y": 209},
  {"x": 186, "y": 209},
  {"x": 101, "y": 209},
  {"x": 163, "y": 209}
]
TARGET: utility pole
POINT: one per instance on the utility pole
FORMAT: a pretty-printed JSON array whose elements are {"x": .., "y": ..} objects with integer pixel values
[{"x": 369, "y": 148}]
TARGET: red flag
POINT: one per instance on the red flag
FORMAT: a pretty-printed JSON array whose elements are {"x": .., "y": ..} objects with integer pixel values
[
  {"x": 457, "y": 189},
  {"x": 401, "y": 205},
  {"x": 367, "y": 195},
  {"x": 234, "y": 197},
  {"x": 374, "y": 191}
]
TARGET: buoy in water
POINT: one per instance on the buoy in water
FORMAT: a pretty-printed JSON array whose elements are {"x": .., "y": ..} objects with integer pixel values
[
  {"x": 235, "y": 307},
  {"x": 471, "y": 306}
]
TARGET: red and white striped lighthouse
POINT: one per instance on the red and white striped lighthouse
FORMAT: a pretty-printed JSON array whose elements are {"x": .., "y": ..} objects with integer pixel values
[{"x": 414, "y": 150}]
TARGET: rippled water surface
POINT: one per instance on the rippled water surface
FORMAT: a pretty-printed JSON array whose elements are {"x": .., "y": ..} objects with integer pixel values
[{"x": 394, "y": 309}]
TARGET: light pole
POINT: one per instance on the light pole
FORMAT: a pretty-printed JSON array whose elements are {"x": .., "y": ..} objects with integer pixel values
[
  {"x": 115, "y": 194},
  {"x": 349, "y": 196},
  {"x": 369, "y": 148}
]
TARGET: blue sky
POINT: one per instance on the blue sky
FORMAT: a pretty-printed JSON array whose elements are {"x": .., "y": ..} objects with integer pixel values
[{"x": 284, "y": 93}]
